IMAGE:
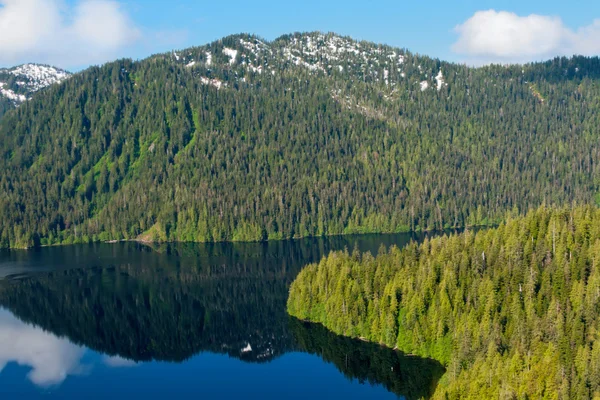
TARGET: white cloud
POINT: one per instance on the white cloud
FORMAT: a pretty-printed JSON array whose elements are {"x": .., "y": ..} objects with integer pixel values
[
  {"x": 118, "y": 362},
  {"x": 51, "y": 358},
  {"x": 505, "y": 37},
  {"x": 49, "y": 31}
]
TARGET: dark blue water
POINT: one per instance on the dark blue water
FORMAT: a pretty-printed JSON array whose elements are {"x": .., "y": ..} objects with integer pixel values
[{"x": 203, "y": 321}]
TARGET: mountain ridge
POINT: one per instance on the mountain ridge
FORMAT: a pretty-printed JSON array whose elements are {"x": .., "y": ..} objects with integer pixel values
[{"x": 245, "y": 140}]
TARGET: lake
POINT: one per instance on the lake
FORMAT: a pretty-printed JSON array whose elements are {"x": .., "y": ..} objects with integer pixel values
[{"x": 185, "y": 320}]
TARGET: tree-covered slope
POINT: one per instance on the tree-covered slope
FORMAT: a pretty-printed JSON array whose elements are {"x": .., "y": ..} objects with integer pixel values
[
  {"x": 310, "y": 134},
  {"x": 512, "y": 312}
]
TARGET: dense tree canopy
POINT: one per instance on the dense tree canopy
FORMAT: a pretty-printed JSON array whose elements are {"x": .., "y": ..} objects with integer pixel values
[
  {"x": 512, "y": 312},
  {"x": 218, "y": 149}
]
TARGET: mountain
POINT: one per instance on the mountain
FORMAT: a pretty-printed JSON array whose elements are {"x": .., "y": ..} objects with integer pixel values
[
  {"x": 18, "y": 84},
  {"x": 310, "y": 134}
]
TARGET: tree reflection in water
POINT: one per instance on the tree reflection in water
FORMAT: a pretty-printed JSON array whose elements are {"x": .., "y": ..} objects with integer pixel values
[{"x": 137, "y": 303}]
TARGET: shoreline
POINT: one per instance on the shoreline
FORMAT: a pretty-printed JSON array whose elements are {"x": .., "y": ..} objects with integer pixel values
[{"x": 147, "y": 242}]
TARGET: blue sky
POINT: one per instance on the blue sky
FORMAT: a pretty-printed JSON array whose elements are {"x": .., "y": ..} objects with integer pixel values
[
  {"x": 151, "y": 26},
  {"x": 421, "y": 26}
]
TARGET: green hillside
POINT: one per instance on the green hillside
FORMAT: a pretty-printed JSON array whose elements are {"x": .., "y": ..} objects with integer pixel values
[{"x": 308, "y": 135}]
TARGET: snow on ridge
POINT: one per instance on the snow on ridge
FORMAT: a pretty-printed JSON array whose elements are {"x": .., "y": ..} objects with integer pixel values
[
  {"x": 325, "y": 52},
  {"x": 38, "y": 76},
  {"x": 255, "y": 47},
  {"x": 251, "y": 58},
  {"x": 231, "y": 53},
  {"x": 212, "y": 82},
  {"x": 424, "y": 85},
  {"x": 9, "y": 94},
  {"x": 191, "y": 64},
  {"x": 208, "y": 58},
  {"x": 255, "y": 69},
  {"x": 440, "y": 80}
]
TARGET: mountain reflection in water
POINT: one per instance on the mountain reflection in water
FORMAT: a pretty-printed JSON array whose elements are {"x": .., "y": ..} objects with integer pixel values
[{"x": 135, "y": 304}]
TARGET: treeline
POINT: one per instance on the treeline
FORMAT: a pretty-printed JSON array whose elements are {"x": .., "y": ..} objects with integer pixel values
[
  {"x": 147, "y": 150},
  {"x": 512, "y": 312}
]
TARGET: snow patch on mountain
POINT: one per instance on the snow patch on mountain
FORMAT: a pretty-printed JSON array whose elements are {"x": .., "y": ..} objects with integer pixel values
[
  {"x": 212, "y": 82},
  {"x": 256, "y": 47},
  {"x": 9, "y": 94},
  {"x": 440, "y": 80},
  {"x": 19, "y": 83},
  {"x": 231, "y": 53},
  {"x": 328, "y": 52},
  {"x": 291, "y": 56},
  {"x": 38, "y": 76}
]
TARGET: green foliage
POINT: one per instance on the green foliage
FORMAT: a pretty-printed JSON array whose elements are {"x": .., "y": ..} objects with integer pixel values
[
  {"x": 512, "y": 312},
  {"x": 115, "y": 150}
]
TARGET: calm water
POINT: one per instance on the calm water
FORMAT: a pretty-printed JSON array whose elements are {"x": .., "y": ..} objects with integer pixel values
[{"x": 203, "y": 321}]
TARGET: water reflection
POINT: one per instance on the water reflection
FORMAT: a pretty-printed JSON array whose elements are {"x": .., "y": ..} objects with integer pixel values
[
  {"x": 118, "y": 362},
  {"x": 50, "y": 358},
  {"x": 409, "y": 376},
  {"x": 133, "y": 303}
]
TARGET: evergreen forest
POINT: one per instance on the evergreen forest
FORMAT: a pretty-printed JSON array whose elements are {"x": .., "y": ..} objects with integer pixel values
[
  {"x": 512, "y": 312},
  {"x": 308, "y": 135}
]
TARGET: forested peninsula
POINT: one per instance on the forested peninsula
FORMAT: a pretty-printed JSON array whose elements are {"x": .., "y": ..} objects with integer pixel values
[
  {"x": 308, "y": 135},
  {"x": 511, "y": 312}
]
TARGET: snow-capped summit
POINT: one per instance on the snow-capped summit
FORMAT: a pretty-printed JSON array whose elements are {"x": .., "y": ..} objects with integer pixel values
[
  {"x": 18, "y": 84},
  {"x": 243, "y": 58},
  {"x": 36, "y": 77}
]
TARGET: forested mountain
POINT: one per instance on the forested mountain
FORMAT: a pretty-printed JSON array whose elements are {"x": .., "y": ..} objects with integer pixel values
[
  {"x": 310, "y": 134},
  {"x": 18, "y": 84},
  {"x": 512, "y": 312}
]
